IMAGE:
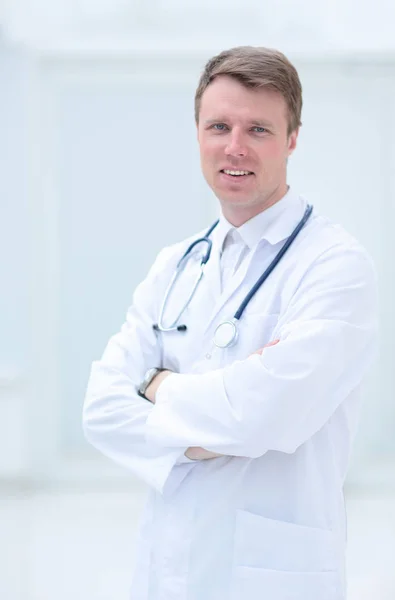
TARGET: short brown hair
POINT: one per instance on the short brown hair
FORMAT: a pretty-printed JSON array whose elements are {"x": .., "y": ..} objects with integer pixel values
[{"x": 256, "y": 68}]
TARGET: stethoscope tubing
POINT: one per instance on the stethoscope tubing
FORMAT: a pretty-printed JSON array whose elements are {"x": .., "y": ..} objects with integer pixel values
[
  {"x": 274, "y": 263},
  {"x": 173, "y": 327}
]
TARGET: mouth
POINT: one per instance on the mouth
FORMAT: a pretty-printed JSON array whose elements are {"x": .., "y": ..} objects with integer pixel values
[{"x": 235, "y": 174}]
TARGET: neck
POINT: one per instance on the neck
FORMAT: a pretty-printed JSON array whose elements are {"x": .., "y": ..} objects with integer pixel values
[{"x": 238, "y": 215}]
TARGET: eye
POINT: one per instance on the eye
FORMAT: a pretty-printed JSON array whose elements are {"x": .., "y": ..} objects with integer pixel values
[
  {"x": 259, "y": 129},
  {"x": 219, "y": 126}
]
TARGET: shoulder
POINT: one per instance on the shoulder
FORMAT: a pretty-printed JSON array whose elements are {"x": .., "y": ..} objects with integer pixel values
[
  {"x": 331, "y": 277},
  {"x": 324, "y": 238},
  {"x": 328, "y": 258}
]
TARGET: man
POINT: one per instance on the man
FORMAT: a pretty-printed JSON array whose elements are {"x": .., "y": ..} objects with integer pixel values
[{"x": 245, "y": 446}]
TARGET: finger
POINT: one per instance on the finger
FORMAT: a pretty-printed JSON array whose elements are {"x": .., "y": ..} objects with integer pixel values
[{"x": 273, "y": 343}]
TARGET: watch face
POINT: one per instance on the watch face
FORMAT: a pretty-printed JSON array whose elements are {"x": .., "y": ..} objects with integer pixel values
[{"x": 150, "y": 374}]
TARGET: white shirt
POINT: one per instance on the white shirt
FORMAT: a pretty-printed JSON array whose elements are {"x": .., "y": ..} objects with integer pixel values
[
  {"x": 237, "y": 243},
  {"x": 267, "y": 519}
]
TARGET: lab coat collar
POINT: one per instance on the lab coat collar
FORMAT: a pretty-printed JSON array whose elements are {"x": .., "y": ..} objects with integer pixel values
[{"x": 273, "y": 224}]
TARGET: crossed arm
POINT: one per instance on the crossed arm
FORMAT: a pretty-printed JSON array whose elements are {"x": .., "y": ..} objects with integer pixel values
[
  {"x": 327, "y": 332},
  {"x": 193, "y": 452}
]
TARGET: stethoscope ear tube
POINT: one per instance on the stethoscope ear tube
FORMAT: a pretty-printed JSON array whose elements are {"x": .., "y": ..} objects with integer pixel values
[
  {"x": 173, "y": 327},
  {"x": 204, "y": 239}
]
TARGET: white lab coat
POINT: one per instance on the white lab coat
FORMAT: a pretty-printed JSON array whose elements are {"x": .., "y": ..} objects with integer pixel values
[{"x": 267, "y": 520}]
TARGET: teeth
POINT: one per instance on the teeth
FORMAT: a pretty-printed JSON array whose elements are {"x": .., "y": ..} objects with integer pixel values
[{"x": 236, "y": 172}]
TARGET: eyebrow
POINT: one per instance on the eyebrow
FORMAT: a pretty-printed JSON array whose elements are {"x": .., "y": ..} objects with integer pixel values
[{"x": 255, "y": 122}]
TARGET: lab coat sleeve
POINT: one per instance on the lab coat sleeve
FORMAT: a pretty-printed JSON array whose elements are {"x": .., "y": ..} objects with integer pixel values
[
  {"x": 114, "y": 415},
  {"x": 281, "y": 398}
]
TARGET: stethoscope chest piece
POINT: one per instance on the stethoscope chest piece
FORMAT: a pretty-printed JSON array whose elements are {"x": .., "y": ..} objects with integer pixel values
[{"x": 226, "y": 334}]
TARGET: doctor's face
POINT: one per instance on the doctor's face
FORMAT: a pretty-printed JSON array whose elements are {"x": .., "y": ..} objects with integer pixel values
[{"x": 243, "y": 130}]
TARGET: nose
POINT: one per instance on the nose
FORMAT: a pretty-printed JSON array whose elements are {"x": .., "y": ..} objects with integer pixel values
[{"x": 236, "y": 146}]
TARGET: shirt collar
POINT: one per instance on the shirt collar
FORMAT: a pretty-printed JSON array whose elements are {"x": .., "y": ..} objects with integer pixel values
[{"x": 274, "y": 224}]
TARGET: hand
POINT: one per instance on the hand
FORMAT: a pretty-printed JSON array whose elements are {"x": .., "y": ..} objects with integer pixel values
[
  {"x": 196, "y": 453},
  {"x": 273, "y": 343},
  {"x": 151, "y": 390}
]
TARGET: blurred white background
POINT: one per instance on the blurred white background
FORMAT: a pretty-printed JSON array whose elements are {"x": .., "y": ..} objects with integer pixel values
[{"x": 99, "y": 169}]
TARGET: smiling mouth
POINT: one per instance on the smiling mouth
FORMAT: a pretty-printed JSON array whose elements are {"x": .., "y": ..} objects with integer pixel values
[{"x": 236, "y": 173}]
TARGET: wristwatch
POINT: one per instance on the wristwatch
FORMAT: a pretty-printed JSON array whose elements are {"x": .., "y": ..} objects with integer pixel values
[{"x": 148, "y": 378}]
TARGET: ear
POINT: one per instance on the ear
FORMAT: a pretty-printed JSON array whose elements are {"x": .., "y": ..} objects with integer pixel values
[{"x": 292, "y": 141}]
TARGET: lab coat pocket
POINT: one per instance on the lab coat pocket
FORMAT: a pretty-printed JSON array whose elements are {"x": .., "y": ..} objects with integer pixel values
[{"x": 283, "y": 560}]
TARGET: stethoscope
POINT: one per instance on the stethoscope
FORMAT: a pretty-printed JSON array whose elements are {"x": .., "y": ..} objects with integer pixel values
[{"x": 226, "y": 333}]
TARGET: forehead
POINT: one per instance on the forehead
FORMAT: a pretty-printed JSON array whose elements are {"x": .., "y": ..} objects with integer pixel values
[{"x": 226, "y": 96}]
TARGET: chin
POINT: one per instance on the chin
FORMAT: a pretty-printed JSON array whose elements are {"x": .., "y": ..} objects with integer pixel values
[{"x": 234, "y": 199}]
